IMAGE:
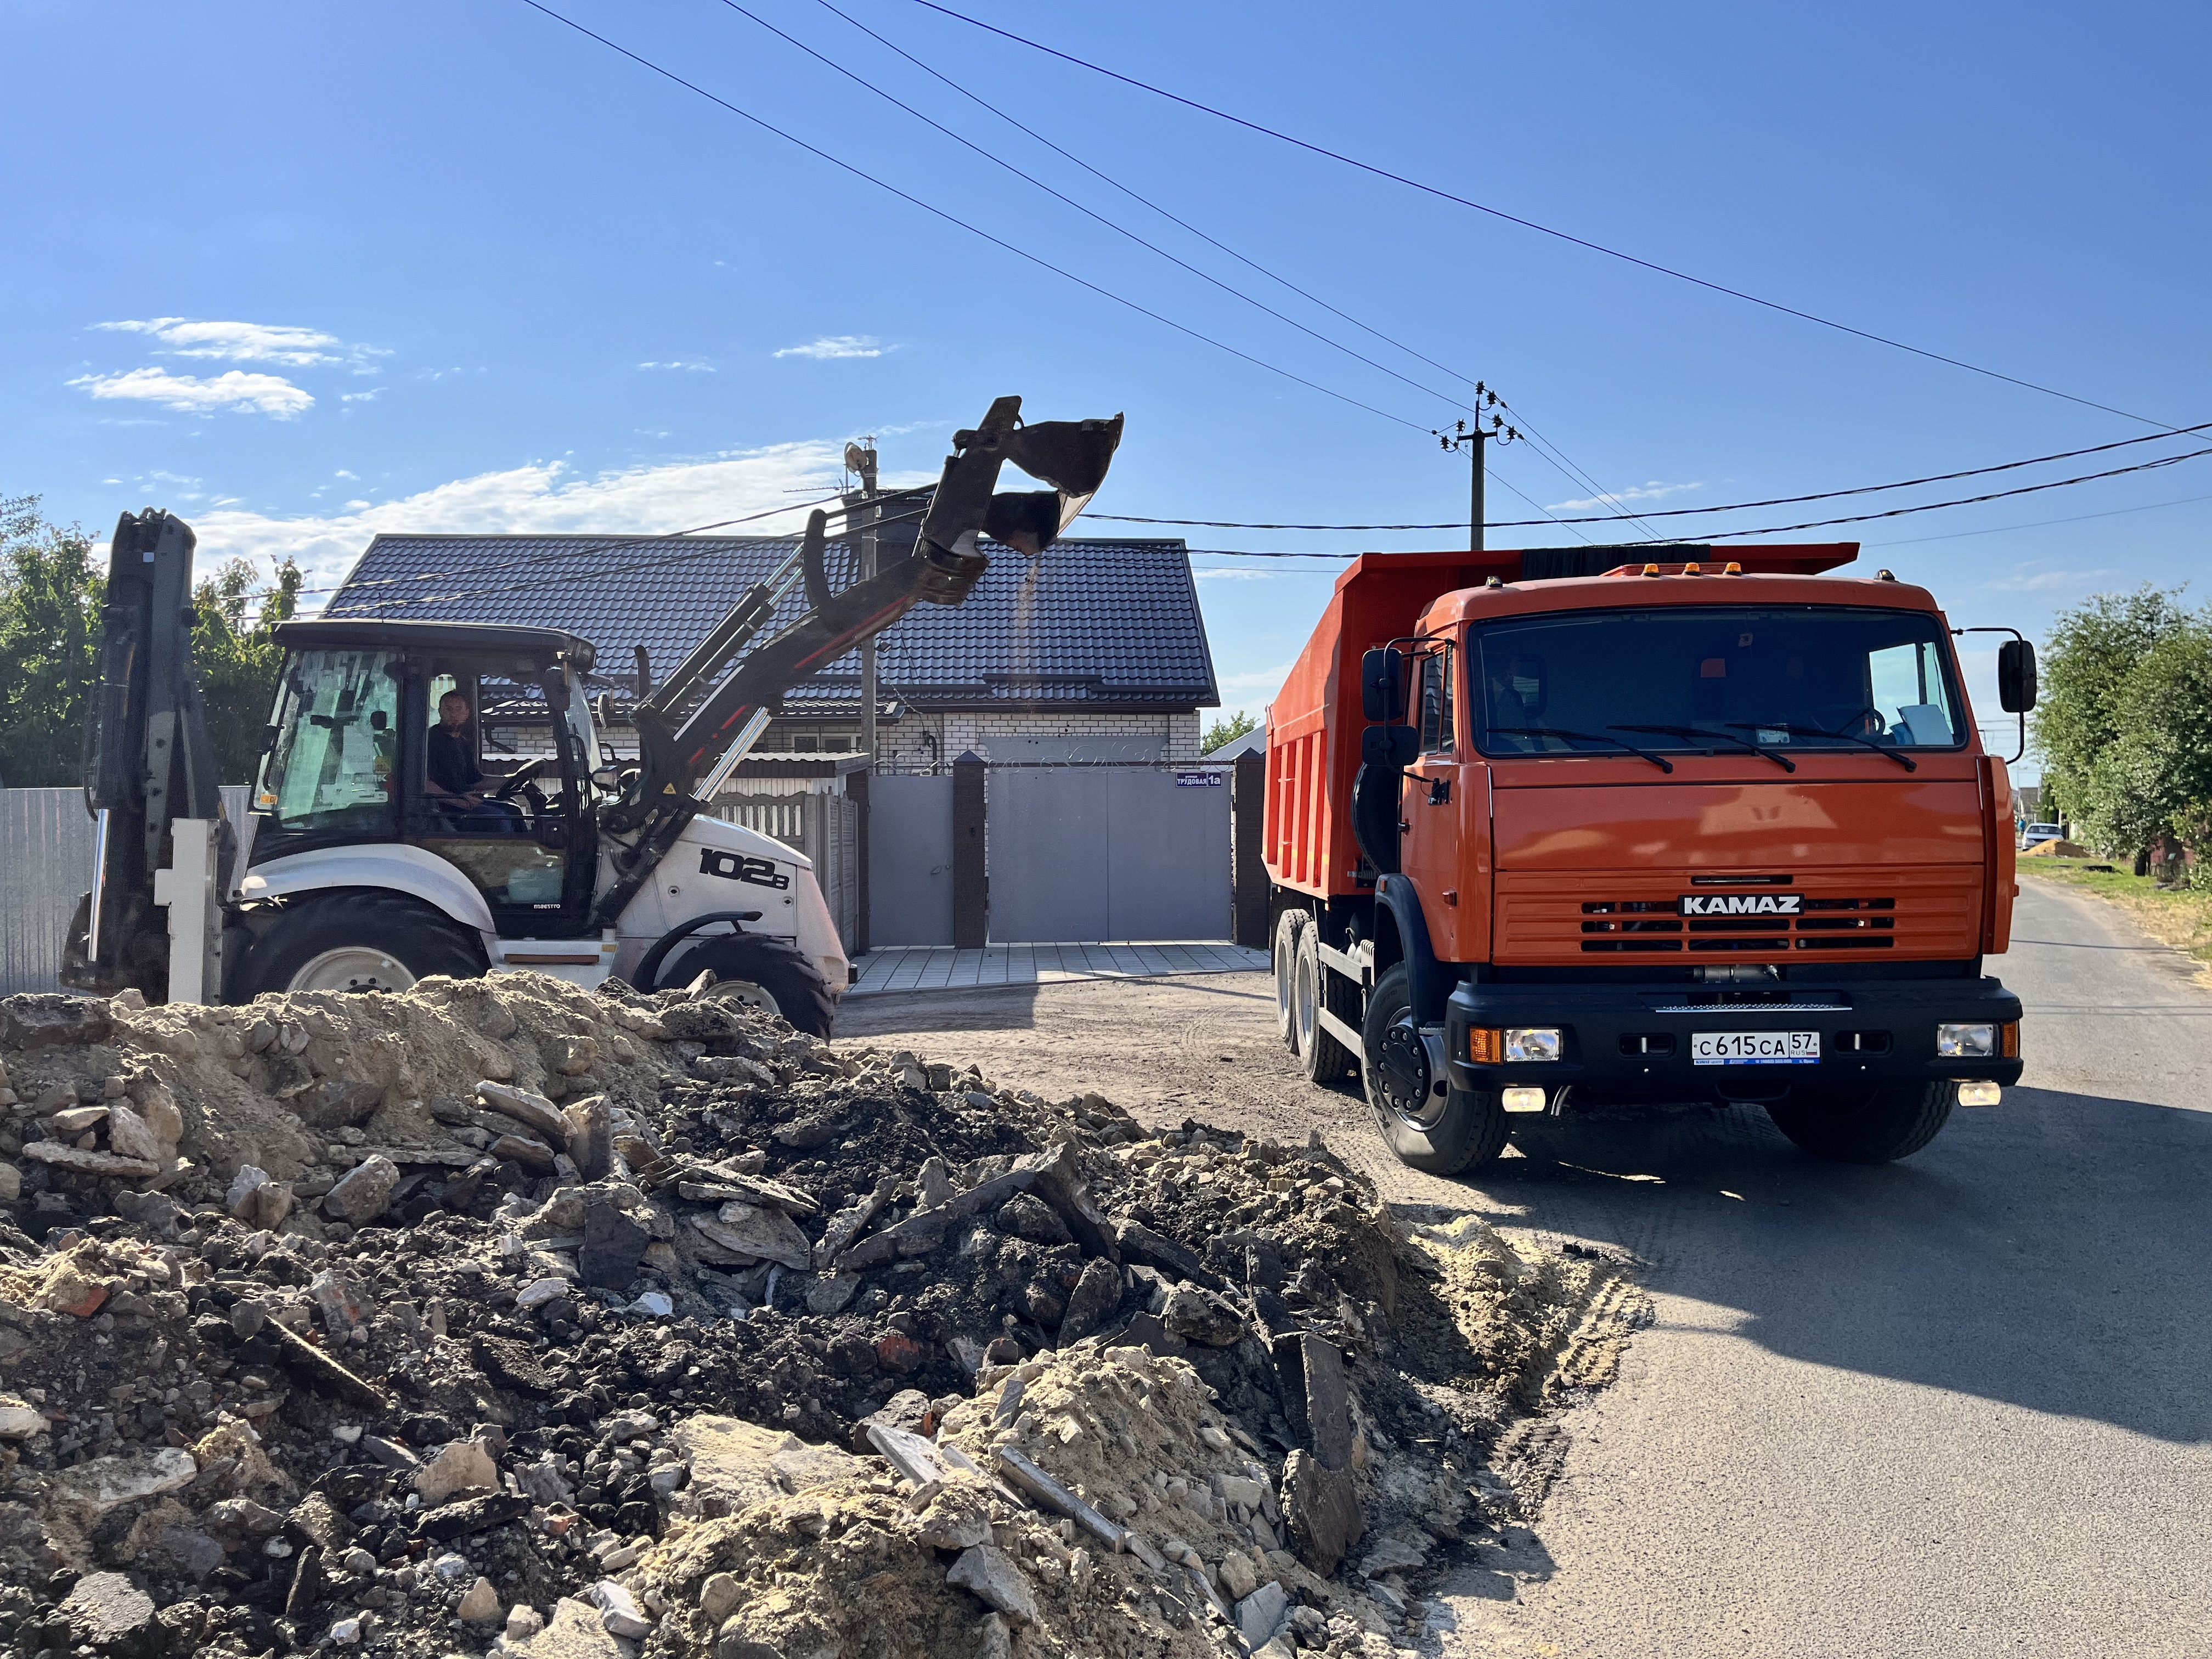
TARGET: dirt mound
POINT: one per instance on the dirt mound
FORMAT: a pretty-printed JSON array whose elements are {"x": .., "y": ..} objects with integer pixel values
[{"x": 501, "y": 1312}]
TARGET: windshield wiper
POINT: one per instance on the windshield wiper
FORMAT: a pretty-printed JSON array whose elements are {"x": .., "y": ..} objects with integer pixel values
[
  {"x": 1661, "y": 761},
  {"x": 1798, "y": 731},
  {"x": 1782, "y": 761}
]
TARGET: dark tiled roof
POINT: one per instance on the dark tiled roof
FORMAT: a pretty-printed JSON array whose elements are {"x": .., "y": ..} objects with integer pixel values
[{"x": 1105, "y": 625}]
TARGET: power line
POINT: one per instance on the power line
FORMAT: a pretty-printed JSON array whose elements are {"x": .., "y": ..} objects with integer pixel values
[
  {"x": 962, "y": 224},
  {"x": 1686, "y": 511},
  {"x": 1531, "y": 224},
  {"x": 1552, "y": 453},
  {"x": 1088, "y": 212},
  {"x": 1964, "y": 501},
  {"x": 2038, "y": 524}
]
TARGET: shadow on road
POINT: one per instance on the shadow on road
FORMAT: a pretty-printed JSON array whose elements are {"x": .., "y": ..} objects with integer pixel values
[{"x": 2050, "y": 1254}]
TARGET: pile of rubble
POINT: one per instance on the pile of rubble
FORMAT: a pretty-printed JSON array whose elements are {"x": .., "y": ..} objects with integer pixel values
[{"x": 502, "y": 1316}]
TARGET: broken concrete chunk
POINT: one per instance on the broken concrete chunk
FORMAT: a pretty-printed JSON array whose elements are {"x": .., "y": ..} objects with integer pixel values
[
  {"x": 361, "y": 1195},
  {"x": 77, "y": 1119},
  {"x": 62, "y": 1156},
  {"x": 1093, "y": 1303},
  {"x": 100, "y": 1484},
  {"x": 992, "y": 1576},
  {"x": 18, "y": 1418},
  {"x": 459, "y": 1465},
  {"x": 481, "y": 1605},
  {"x": 110, "y": 1615},
  {"x": 1201, "y": 1316},
  {"x": 613, "y": 1245},
  {"x": 575, "y": 1633},
  {"x": 591, "y": 1136},
  {"x": 1322, "y": 1507},
  {"x": 619, "y": 1613},
  {"x": 755, "y": 1230},
  {"x": 47, "y": 1020},
  {"x": 533, "y": 1111},
  {"x": 1027, "y": 1216},
  {"x": 1262, "y": 1613}
]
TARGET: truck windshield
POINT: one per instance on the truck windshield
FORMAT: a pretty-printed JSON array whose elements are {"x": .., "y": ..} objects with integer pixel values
[{"x": 1722, "y": 679}]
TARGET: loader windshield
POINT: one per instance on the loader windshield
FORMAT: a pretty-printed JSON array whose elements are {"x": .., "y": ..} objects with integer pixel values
[
  {"x": 338, "y": 726},
  {"x": 1718, "y": 679}
]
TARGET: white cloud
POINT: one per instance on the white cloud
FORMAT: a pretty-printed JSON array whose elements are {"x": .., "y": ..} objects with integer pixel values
[
  {"x": 1652, "y": 490},
  {"x": 369, "y": 396},
  {"x": 1255, "y": 685},
  {"x": 545, "y": 497},
  {"x": 343, "y": 473},
  {"x": 249, "y": 343},
  {"x": 697, "y": 366},
  {"x": 2028, "y": 579},
  {"x": 262, "y": 394},
  {"x": 837, "y": 345}
]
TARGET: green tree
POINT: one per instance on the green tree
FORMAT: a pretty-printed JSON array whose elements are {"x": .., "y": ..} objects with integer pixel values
[
  {"x": 2084, "y": 711},
  {"x": 50, "y": 598},
  {"x": 50, "y": 593},
  {"x": 238, "y": 659},
  {"x": 1226, "y": 729},
  {"x": 2157, "y": 778}
]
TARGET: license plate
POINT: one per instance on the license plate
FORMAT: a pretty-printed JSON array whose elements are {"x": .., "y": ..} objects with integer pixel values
[{"x": 1756, "y": 1049}]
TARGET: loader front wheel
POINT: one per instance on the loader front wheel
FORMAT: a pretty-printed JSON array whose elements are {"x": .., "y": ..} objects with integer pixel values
[
  {"x": 774, "y": 976},
  {"x": 357, "y": 941}
]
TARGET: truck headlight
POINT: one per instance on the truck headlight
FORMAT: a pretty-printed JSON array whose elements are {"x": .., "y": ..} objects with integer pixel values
[
  {"x": 1966, "y": 1042},
  {"x": 1534, "y": 1041}
]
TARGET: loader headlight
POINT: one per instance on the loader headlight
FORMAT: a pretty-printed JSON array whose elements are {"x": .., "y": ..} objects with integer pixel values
[
  {"x": 1966, "y": 1042},
  {"x": 1531, "y": 1042}
]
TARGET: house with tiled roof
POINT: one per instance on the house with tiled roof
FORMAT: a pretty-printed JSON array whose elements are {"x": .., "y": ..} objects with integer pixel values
[{"x": 1095, "y": 651}]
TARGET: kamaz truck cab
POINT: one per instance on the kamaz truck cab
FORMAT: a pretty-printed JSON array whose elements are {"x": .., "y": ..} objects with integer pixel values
[{"x": 1563, "y": 827}]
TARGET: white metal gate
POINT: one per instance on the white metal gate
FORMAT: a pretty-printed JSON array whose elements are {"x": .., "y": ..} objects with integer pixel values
[{"x": 1096, "y": 853}]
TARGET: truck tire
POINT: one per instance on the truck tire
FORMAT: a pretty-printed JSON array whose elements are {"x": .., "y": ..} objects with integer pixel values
[
  {"x": 1288, "y": 926},
  {"x": 357, "y": 941},
  {"x": 1865, "y": 1126},
  {"x": 1324, "y": 1059},
  {"x": 1441, "y": 1134},
  {"x": 787, "y": 984}
]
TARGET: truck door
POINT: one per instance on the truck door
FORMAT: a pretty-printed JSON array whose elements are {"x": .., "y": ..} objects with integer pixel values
[{"x": 1430, "y": 807}]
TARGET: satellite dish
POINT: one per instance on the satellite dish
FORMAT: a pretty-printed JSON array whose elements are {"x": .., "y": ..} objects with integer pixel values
[{"x": 859, "y": 460}]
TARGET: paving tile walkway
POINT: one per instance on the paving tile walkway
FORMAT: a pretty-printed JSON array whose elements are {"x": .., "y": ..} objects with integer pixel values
[{"x": 942, "y": 968}]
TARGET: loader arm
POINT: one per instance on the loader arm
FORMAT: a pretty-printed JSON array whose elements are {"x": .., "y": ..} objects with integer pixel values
[{"x": 942, "y": 570}]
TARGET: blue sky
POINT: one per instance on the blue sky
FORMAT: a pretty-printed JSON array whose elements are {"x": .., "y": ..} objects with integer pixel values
[{"x": 458, "y": 267}]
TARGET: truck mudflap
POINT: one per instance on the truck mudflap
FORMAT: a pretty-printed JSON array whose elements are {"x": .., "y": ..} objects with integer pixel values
[{"x": 1690, "y": 1042}]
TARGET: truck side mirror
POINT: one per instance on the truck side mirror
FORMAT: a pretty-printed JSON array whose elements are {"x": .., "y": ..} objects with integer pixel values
[
  {"x": 1392, "y": 747},
  {"x": 2016, "y": 677},
  {"x": 1382, "y": 685}
]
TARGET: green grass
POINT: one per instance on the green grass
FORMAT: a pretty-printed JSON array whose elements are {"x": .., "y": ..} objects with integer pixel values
[{"x": 2182, "y": 919}]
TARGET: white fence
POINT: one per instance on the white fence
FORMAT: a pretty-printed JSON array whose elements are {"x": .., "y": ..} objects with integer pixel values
[
  {"x": 827, "y": 829},
  {"x": 46, "y": 866}
]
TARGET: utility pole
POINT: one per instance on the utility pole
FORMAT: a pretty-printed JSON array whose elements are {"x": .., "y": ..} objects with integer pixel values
[
  {"x": 860, "y": 458},
  {"x": 1474, "y": 441}
]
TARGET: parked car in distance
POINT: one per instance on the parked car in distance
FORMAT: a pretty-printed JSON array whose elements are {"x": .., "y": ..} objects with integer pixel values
[{"x": 2035, "y": 835}]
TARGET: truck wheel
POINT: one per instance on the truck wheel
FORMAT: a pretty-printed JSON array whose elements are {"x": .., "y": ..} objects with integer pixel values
[
  {"x": 1865, "y": 1126},
  {"x": 358, "y": 941},
  {"x": 1288, "y": 926},
  {"x": 784, "y": 982},
  {"x": 1441, "y": 1133},
  {"x": 1326, "y": 1060}
]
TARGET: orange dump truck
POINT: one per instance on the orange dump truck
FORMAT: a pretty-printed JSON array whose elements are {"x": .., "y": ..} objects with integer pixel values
[{"x": 1551, "y": 828}]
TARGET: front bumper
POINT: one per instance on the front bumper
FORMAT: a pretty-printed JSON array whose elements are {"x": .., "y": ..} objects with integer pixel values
[{"x": 1637, "y": 1038}]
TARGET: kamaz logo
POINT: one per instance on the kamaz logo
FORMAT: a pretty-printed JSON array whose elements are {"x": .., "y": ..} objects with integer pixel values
[{"x": 1742, "y": 904}]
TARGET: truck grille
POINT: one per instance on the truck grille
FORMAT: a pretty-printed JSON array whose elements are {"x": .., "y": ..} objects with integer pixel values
[
  {"x": 1931, "y": 912},
  {"x": 1829, "y": 924}
]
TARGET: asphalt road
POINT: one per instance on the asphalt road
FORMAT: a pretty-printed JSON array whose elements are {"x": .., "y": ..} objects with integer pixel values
[{"x": 1957, "y": 1405}]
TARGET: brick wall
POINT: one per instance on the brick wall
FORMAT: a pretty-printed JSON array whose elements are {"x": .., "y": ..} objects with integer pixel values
[{"x": 915, "y": 742}]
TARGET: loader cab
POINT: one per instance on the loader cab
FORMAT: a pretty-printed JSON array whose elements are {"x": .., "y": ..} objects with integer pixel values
[{"x": 473, "y": 743}]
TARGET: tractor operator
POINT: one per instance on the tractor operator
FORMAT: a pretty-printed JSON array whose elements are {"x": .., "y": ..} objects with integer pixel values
[{"x": 451, "y": 775}]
